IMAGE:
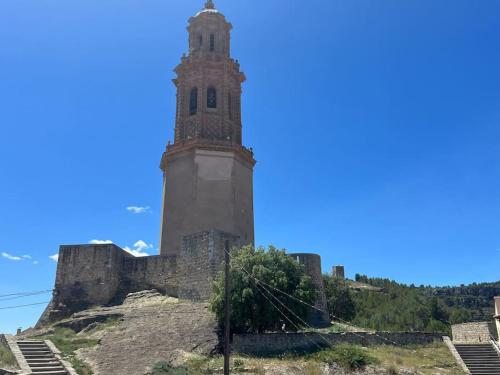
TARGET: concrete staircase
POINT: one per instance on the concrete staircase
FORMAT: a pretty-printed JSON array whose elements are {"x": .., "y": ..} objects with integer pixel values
[
  {"x": 41, "y": 360},
  {"x": 480, "y": 359}
]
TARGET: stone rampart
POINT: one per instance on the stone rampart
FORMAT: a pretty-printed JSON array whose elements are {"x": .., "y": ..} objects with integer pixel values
[
  {"x": 475, "y": 332},
  {"x": 89, "y": 274},
  {"x": 151, "y": 272},
  {"x": 277, "y": 343},
  {"x": 202, "y": 256},
  {"x": 312, "y": 267}
]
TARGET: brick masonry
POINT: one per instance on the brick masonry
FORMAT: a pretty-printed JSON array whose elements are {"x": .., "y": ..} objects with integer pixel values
[{"x": 273, "y": 343}]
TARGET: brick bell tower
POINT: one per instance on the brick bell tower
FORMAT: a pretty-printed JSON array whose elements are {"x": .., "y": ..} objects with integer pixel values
[{"x": 207, "y": 172}]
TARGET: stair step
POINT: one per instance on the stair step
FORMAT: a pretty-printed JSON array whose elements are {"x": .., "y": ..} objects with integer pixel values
[
  {"x": 42, "y": 369},
  {"x": 480, "y": 359},
  {"x": 44, "y": 364}
]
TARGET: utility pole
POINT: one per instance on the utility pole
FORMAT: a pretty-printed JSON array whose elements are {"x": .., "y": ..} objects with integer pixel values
[{"x": 227, "y": 310}]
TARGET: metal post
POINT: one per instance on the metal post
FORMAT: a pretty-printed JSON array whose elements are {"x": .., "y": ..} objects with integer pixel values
[{"x": 227, "y": 310}]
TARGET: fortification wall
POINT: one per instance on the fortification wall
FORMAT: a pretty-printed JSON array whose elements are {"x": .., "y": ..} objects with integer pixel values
[
  {"x": 89, "y": 274},
  {"x": 151, "y": 272},
  {"x": 312, "y": 267},
  {"x": 202, "y": 256},
  {"x": 273, "y": 343}
]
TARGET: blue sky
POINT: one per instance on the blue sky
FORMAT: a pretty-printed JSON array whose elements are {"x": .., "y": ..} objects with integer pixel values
[{"x": 375, "y": 124}]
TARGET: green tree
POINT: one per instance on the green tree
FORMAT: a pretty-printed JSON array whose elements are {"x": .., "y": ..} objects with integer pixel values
[
  {"x": 339, "y": 298},
  {"x": 252, "y": 302}
]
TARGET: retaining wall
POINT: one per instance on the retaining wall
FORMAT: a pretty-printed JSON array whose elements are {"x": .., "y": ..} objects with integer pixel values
[
  {"x": 275, "y": 343},
  {"x": 475, "y": 332}
]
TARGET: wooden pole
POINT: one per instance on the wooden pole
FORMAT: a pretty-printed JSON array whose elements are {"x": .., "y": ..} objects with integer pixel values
[{"x": 227, "y": 311}]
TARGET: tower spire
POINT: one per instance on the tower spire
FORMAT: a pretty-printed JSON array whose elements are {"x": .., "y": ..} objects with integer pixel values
[{"x": 209, "y": 4}]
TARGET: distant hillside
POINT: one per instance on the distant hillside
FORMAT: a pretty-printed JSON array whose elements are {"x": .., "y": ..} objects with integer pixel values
[
  {"x": 476, "y": 298},
  {"x": 389, "y": 305}
]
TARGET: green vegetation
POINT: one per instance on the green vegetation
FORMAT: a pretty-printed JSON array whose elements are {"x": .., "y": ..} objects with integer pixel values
[
  {"x": 390, "y": 306},
  {"x": 350, "y": 357},
  {"x": 425, "y": 360},
  {"x": 163, "y": 368},
  {"x": 68, "y": 343},
  {"x": 252, "y": 307},
  {"x": 339, "y": 298},
  {"x": 462, "y": 303},
  {"x": 7, "y": 359}
]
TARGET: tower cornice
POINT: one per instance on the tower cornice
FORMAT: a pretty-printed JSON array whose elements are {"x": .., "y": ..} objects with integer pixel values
[{"x": 196, "y": 144}]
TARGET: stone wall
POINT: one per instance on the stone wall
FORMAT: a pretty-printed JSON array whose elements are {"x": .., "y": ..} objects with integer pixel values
[
  {"x": 276, "y": 343},
  {"x": 338, "y": 272},
  {"x": 89, "y": 274},
  {"x": 472, "y": 332},
  {"x": 152, "y": 272},
  {"x": 202, "y": 256}
]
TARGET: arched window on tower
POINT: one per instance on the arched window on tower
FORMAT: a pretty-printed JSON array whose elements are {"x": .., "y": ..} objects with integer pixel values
[
  {"x": 230, "y": 106},
  {"x": 212, "y": 42},
  {"x": 211, "y": 97},
  {"x": 200, "y": 41},
  {"x": 193, "y": 101}
]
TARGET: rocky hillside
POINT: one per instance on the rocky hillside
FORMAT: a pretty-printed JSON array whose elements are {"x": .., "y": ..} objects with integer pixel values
[
  {"x": 131, "y": 338},
  {"x": 150, "y": 334}
]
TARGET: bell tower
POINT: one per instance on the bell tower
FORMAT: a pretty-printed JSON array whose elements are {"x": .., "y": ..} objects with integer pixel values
[{"x": 207, "y": 172}]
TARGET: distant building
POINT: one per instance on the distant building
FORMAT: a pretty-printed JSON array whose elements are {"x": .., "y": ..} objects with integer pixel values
[{"x": 338, "y": 272}]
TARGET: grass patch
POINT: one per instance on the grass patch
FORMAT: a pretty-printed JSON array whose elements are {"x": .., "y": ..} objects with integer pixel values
[
  {"x": 67, "y": 341},
  {"x": 7, "y": 359},
  {"x": 350, "y": 357},
  {"x": 426, "y": 359}
]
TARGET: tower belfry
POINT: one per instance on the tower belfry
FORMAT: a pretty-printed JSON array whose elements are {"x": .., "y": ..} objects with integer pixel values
[{"x": 208, "y": 173}]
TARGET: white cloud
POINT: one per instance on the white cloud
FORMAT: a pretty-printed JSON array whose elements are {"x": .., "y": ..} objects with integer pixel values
[
  {"x": 100, "y": 242},
  {"x": 11, "y": 257},
  {"x": 35, "y": 262},
  {"x": 54, "y": 257},
  {"x": 139, "y": 249},
  {"x": 27, "y": 256},
  {"x": 138, "y": 209}
]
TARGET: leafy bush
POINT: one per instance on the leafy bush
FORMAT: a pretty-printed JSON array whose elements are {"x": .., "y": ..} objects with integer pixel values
[
  {"x": 163, "y": 368},
  {"x": 348, "y": 356},
  {"x": 251, "y": 310},
  {"x": 7, "y": 359}
]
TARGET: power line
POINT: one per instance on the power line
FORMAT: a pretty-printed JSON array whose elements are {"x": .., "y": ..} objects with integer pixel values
[
  {"x": 18, "y": 306},
  {"x": 337, "y": 318},
  {"x": 350, "y": 324},
  {"x": 25, "y": 293}
]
